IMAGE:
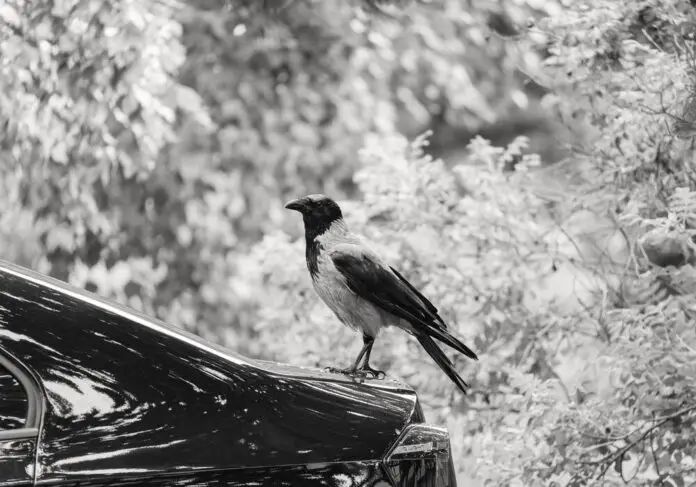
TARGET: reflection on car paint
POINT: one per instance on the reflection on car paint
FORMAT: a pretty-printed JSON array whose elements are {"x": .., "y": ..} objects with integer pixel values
[
  {"x": 13, "y": 407},
  {"x": 153, "y": 403},
  {"x": 353, "y": 474},
  {"x": 16, "y": 458}
]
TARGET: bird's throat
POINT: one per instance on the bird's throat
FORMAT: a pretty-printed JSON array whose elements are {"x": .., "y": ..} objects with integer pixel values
[
  {"x": 312, "y": 255},
  {"x": 317, "y": 235}
]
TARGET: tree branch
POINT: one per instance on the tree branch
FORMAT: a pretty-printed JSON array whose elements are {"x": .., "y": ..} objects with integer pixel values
[
  {"x": 609, "y": 459},
  {"x": 654, "y": 455}
]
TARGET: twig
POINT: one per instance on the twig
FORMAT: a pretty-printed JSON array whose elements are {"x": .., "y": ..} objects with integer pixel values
[
  {"x": 613, "y": 457},
  {"x": 654, "y": 455}
]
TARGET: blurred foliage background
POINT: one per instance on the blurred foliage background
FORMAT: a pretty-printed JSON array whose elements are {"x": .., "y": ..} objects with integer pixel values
[{"x": 147, "y": 149}]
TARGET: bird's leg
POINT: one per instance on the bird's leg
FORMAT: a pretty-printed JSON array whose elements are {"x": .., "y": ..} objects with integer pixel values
[
  {"x": 369, "y": 341},
  {"x": 353, "y": 369}
]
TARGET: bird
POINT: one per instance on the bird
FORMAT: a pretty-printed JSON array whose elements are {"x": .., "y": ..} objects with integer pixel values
[{"x": 365, "y": 293}]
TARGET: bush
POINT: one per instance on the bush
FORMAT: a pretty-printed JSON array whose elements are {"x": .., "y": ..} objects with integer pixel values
[
  {"x": 136, "y": 166},
  {"x": 587, "y": 342},
  {"x": 491, "y": 246}
]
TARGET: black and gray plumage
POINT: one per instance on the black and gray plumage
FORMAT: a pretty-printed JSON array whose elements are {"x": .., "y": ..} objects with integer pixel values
[{"x": 365, "y": 293}]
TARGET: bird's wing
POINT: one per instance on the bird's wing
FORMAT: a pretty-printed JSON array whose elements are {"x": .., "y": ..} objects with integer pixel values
[
  {"x": 373, "y": 281},
  {"x": 430, "y": 307}
]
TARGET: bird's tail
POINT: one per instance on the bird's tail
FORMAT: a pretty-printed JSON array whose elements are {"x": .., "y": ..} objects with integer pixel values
[
  {"x": 445, "y": 337},
  {"x": 442, "y": 361}
]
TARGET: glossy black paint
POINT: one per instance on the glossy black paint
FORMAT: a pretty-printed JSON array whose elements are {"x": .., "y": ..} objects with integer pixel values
[
  {"x": 13, "y": 407},
  {"x": 129, "y": 397},
  {"x": 350, "y": 474},
  {"x": 17, "y": 461},
  {"x": 432, "y": 468}
]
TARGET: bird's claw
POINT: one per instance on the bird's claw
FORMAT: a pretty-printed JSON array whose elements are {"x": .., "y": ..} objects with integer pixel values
[
  {"x": 361, "y": 373},
  {"x": 376, "y": 374},
  {"x": 336, "y": 370}
]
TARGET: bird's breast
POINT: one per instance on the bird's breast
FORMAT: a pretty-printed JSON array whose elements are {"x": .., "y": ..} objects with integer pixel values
[{"x": 330, "y": 285}]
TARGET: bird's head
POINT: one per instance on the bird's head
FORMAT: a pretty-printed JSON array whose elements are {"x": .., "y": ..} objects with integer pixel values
[{"x": 318, "y": 211}]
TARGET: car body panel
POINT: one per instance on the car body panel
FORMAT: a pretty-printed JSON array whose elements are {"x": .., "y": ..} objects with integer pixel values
[
  {"x": 344, "y": 474},
  {"x": 21, "y": 410},
  {"x": 278, "y": 369},
  {"x": 17, "y": 458},
  {"x": 133, "y": 397},
  {"x": 14, "y": 402}
]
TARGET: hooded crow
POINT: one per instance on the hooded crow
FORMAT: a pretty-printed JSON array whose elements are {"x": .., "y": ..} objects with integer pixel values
[{"x": 365, "y": 293}]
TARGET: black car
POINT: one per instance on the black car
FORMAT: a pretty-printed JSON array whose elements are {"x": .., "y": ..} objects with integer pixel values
[{"x": 94, "y": 393}]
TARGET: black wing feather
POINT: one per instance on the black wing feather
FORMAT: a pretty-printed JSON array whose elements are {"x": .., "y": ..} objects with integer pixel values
[
  {"x": 423, "y": 299},
  {"x": 442, "y": 361},
  {"x": 391, "y": 292},
  {"x": 374, "y": 282}
]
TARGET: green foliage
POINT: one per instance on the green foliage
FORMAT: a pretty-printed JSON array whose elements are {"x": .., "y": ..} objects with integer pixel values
[
  {"x": 484, "y": 261},
  {"x": 88, "y": 101},
  {"x": 295, "y": 90},
  {"x": 624, "y": 69},
  {"x": 586, "y": 374},
  {"x": 164, "y": 136},
  {"x": 147, "y": 149}
]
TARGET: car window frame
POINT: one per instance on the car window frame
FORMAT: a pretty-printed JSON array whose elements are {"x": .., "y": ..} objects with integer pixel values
[{"x": 35, "y": 398}]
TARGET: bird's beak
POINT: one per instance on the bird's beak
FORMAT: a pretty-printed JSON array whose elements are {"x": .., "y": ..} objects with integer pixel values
[{"x": 297, "y": 205}]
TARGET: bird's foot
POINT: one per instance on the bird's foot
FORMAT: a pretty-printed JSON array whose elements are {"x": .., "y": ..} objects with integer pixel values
[
  {"x": 361, "y": 373},
  {"x": 376, "y": 374},
  {"x": 346, "y": 371}
]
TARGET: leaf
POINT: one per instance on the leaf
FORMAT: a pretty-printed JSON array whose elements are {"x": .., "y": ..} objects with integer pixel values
[
  {"x": 60, "y": 237},
  {"x": 664, "y": 462},
  {"x": 674, "y": 480},
  {"x": 9, "y": 15},
  {"x": 190, "y": 101}
]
